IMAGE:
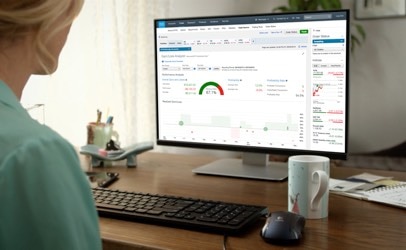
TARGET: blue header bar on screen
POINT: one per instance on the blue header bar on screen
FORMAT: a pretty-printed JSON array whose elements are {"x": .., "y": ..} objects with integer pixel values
[
  {"x": 161, "y": 24},
  {"x": 265, "y": 18}
]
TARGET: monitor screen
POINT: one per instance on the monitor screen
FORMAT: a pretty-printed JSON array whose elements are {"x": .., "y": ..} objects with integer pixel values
[{"x": 261, "y": 84}]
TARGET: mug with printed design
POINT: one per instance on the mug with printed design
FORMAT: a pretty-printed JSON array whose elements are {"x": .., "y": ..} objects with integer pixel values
[{"x": 308, "y": 189}]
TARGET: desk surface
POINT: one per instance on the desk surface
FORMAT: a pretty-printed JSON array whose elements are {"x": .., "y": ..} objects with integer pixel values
[{"x": 352, "y": 224}]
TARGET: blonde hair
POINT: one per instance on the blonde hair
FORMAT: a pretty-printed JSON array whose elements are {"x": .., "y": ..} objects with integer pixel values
[{"x": 20, "y": 17}]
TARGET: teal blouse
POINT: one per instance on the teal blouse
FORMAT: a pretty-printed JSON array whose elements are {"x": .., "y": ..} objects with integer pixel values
[{"x": 45, "y": 198}]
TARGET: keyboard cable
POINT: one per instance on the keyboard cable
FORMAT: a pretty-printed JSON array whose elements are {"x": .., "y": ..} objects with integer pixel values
[{"x": 225, "y": 242}]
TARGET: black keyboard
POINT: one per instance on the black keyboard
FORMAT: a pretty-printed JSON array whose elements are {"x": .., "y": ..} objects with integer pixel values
[{"x": 189, "y": 213}]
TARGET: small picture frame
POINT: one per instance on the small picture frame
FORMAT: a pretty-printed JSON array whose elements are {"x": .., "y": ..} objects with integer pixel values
[{"x": 372, "y": 9}]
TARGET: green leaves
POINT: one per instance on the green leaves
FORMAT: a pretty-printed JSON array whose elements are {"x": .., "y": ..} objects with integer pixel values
[
  {"x": 329, "y": 4},
  {"x": 301, "y": 5},
  {"x": 357, "y": 37}
]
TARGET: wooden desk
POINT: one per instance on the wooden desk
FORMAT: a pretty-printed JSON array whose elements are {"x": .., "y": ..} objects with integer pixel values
[{"x": 352, "y": 224}]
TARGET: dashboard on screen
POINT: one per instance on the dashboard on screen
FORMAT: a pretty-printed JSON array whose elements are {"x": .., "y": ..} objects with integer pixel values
[{"x": 263, "y": 83}]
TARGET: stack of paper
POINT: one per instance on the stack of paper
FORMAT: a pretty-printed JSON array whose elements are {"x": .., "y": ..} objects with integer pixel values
[{"x": 372, "y": 188}]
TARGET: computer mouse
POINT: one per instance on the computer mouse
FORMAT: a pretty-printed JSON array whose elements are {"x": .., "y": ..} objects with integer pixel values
[{"x": 283, "y": 227}]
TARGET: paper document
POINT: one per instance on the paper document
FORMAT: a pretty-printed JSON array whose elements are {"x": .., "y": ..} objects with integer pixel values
[{"x": 372, "y": 188}]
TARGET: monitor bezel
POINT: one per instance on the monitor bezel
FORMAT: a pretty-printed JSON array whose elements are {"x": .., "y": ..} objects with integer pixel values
[{"x": 256, "y": 149}]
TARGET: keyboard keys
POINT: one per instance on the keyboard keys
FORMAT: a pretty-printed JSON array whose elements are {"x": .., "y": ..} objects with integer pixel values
[
  {"x": 190, "y": 213},
  {"x": 109, "y": 206}
]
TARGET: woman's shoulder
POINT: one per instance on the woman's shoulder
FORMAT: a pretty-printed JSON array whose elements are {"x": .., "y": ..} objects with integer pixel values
[{"x": 23, "y": 136}]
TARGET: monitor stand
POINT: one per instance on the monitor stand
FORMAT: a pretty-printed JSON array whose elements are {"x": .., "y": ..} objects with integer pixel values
[{"x": 252, "y": 166}]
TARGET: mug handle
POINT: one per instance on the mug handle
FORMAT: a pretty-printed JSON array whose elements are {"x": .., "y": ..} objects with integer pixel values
[
  {"x": 322, "y": 178},
  {"x": 115, "y": 134}
]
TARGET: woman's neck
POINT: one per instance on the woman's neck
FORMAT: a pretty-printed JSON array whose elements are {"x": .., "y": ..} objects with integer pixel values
[{"x": 16, "y": 62}]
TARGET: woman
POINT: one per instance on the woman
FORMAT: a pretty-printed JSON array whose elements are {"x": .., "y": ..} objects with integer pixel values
[{"x": 45, "y": 199}]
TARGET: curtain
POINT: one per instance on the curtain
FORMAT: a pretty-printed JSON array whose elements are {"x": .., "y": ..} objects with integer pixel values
[{"x": 107, "y": 64}]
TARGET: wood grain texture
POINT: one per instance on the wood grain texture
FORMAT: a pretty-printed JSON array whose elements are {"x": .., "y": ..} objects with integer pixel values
[{"x": 351, "y": 224}]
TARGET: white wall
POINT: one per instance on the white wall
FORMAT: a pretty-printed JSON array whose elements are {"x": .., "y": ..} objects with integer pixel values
[
  {"x": 378, "y": 86},
  {"x": 377, "y": 71}
]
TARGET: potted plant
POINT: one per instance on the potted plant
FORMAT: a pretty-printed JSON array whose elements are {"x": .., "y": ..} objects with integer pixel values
[{"x": 357, "y": 35}]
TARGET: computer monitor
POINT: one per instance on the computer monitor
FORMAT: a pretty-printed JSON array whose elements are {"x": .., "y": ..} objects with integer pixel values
[{"x": 260, "y": 84}]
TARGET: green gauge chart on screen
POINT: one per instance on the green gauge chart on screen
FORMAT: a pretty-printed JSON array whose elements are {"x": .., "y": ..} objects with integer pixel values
[{"x": 211, "y": 88}]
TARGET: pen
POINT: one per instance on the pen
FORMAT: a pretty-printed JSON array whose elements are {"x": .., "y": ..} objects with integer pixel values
[
  {"x": 109, "y": 120},
  {"x": 99, "y": 115}
]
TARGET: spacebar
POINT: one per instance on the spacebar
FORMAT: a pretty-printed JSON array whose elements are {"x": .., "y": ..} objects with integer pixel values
[{"x": 109, "y": 206}]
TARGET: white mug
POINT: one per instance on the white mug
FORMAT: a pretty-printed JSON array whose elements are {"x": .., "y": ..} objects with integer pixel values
[{"x": 308, "y": 185}]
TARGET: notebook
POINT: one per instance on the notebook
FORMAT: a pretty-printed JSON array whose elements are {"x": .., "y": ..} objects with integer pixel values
[{"x": 391, "y": 195}]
